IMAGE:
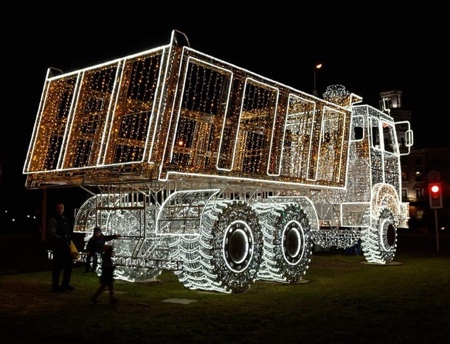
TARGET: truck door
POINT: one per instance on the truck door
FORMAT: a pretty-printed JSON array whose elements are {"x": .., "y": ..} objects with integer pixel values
[{"x": 385, "y": 153}]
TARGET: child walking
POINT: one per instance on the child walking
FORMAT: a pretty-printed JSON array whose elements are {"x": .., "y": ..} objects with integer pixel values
[{"x": 107, "y": 275}]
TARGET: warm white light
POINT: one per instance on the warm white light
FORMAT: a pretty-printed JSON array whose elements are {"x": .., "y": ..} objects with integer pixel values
[{"x": 217, "y": 173}]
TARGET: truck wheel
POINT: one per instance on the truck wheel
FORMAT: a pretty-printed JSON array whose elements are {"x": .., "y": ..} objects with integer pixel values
[
  {"x": 287, "y": 244},
  {"x": 230, "y": 247},
  {"x": 379, "y": 241},
  {"x": 191, "y": 273}
]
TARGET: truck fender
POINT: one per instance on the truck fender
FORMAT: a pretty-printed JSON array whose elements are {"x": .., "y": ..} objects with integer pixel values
[{"x": 384, "y": 195}]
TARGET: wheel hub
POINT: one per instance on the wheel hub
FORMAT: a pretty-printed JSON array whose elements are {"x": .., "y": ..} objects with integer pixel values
[
  {"x": 292, "y": 242},
  {"x": 237, "y": 246}
]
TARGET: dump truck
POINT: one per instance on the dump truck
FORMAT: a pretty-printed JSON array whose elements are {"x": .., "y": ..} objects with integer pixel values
[{"x": 215, "y": 173}]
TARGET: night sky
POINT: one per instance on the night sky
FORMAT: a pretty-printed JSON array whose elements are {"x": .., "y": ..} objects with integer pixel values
[{"x": 375, "y": 50}]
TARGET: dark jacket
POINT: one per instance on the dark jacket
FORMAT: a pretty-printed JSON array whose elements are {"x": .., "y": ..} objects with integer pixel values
[
  {"x": 107, "y": 276},
  {"x": 96, "y": 243},
  {"x": 59, "y": 232}
]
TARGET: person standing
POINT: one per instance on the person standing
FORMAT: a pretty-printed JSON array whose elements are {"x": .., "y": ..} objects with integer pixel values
[
  {"x": 94, "y": 248},
  {"x": 60, "y": 236},
  {"x": 107, "y": 275}
]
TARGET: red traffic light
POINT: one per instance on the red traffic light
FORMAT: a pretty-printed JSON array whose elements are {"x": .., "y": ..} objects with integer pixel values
[
  {"x": 435, "y": 194},
  {"x": 435, "y": 189}
]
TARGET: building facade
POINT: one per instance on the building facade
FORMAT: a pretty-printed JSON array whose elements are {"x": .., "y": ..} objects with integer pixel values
[{"x": 419, "y": 168}]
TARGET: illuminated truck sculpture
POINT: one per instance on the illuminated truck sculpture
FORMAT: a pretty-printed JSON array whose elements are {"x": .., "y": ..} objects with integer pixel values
[{"x": 216, "y": 173}]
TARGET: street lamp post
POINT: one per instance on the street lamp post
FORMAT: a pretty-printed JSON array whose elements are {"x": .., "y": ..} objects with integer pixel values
[{"x": 317, "y": 66}]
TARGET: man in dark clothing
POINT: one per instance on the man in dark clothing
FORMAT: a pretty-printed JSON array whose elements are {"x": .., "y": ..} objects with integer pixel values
[
  {"x": 94, "y": 248},
  {"x": 60, "y": 236}
]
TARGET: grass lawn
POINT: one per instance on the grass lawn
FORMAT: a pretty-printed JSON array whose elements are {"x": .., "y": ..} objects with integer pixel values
[{"x": 343, "y": 300}]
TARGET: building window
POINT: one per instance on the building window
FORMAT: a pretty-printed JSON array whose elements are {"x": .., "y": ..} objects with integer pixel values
[
  {"x": 404, "y": 176},
  {"x": 419, "y": 192},
  {"x": 418, "y": 177},
  {"x": 404, "y": 193}
]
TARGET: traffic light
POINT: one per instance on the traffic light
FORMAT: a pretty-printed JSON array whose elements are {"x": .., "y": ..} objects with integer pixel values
[{"x": 435, "y": 194}]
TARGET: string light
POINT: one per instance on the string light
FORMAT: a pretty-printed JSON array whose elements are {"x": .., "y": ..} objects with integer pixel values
[{"x": 194, "y": 157}]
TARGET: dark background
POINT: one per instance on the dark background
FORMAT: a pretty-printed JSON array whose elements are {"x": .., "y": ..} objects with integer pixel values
[{"x": 368, "y": 50}]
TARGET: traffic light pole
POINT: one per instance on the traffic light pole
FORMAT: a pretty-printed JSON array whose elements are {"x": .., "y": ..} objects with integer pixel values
[
  {"x": 437, "y": 229},
  {"x": 435, "y": 196}
]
